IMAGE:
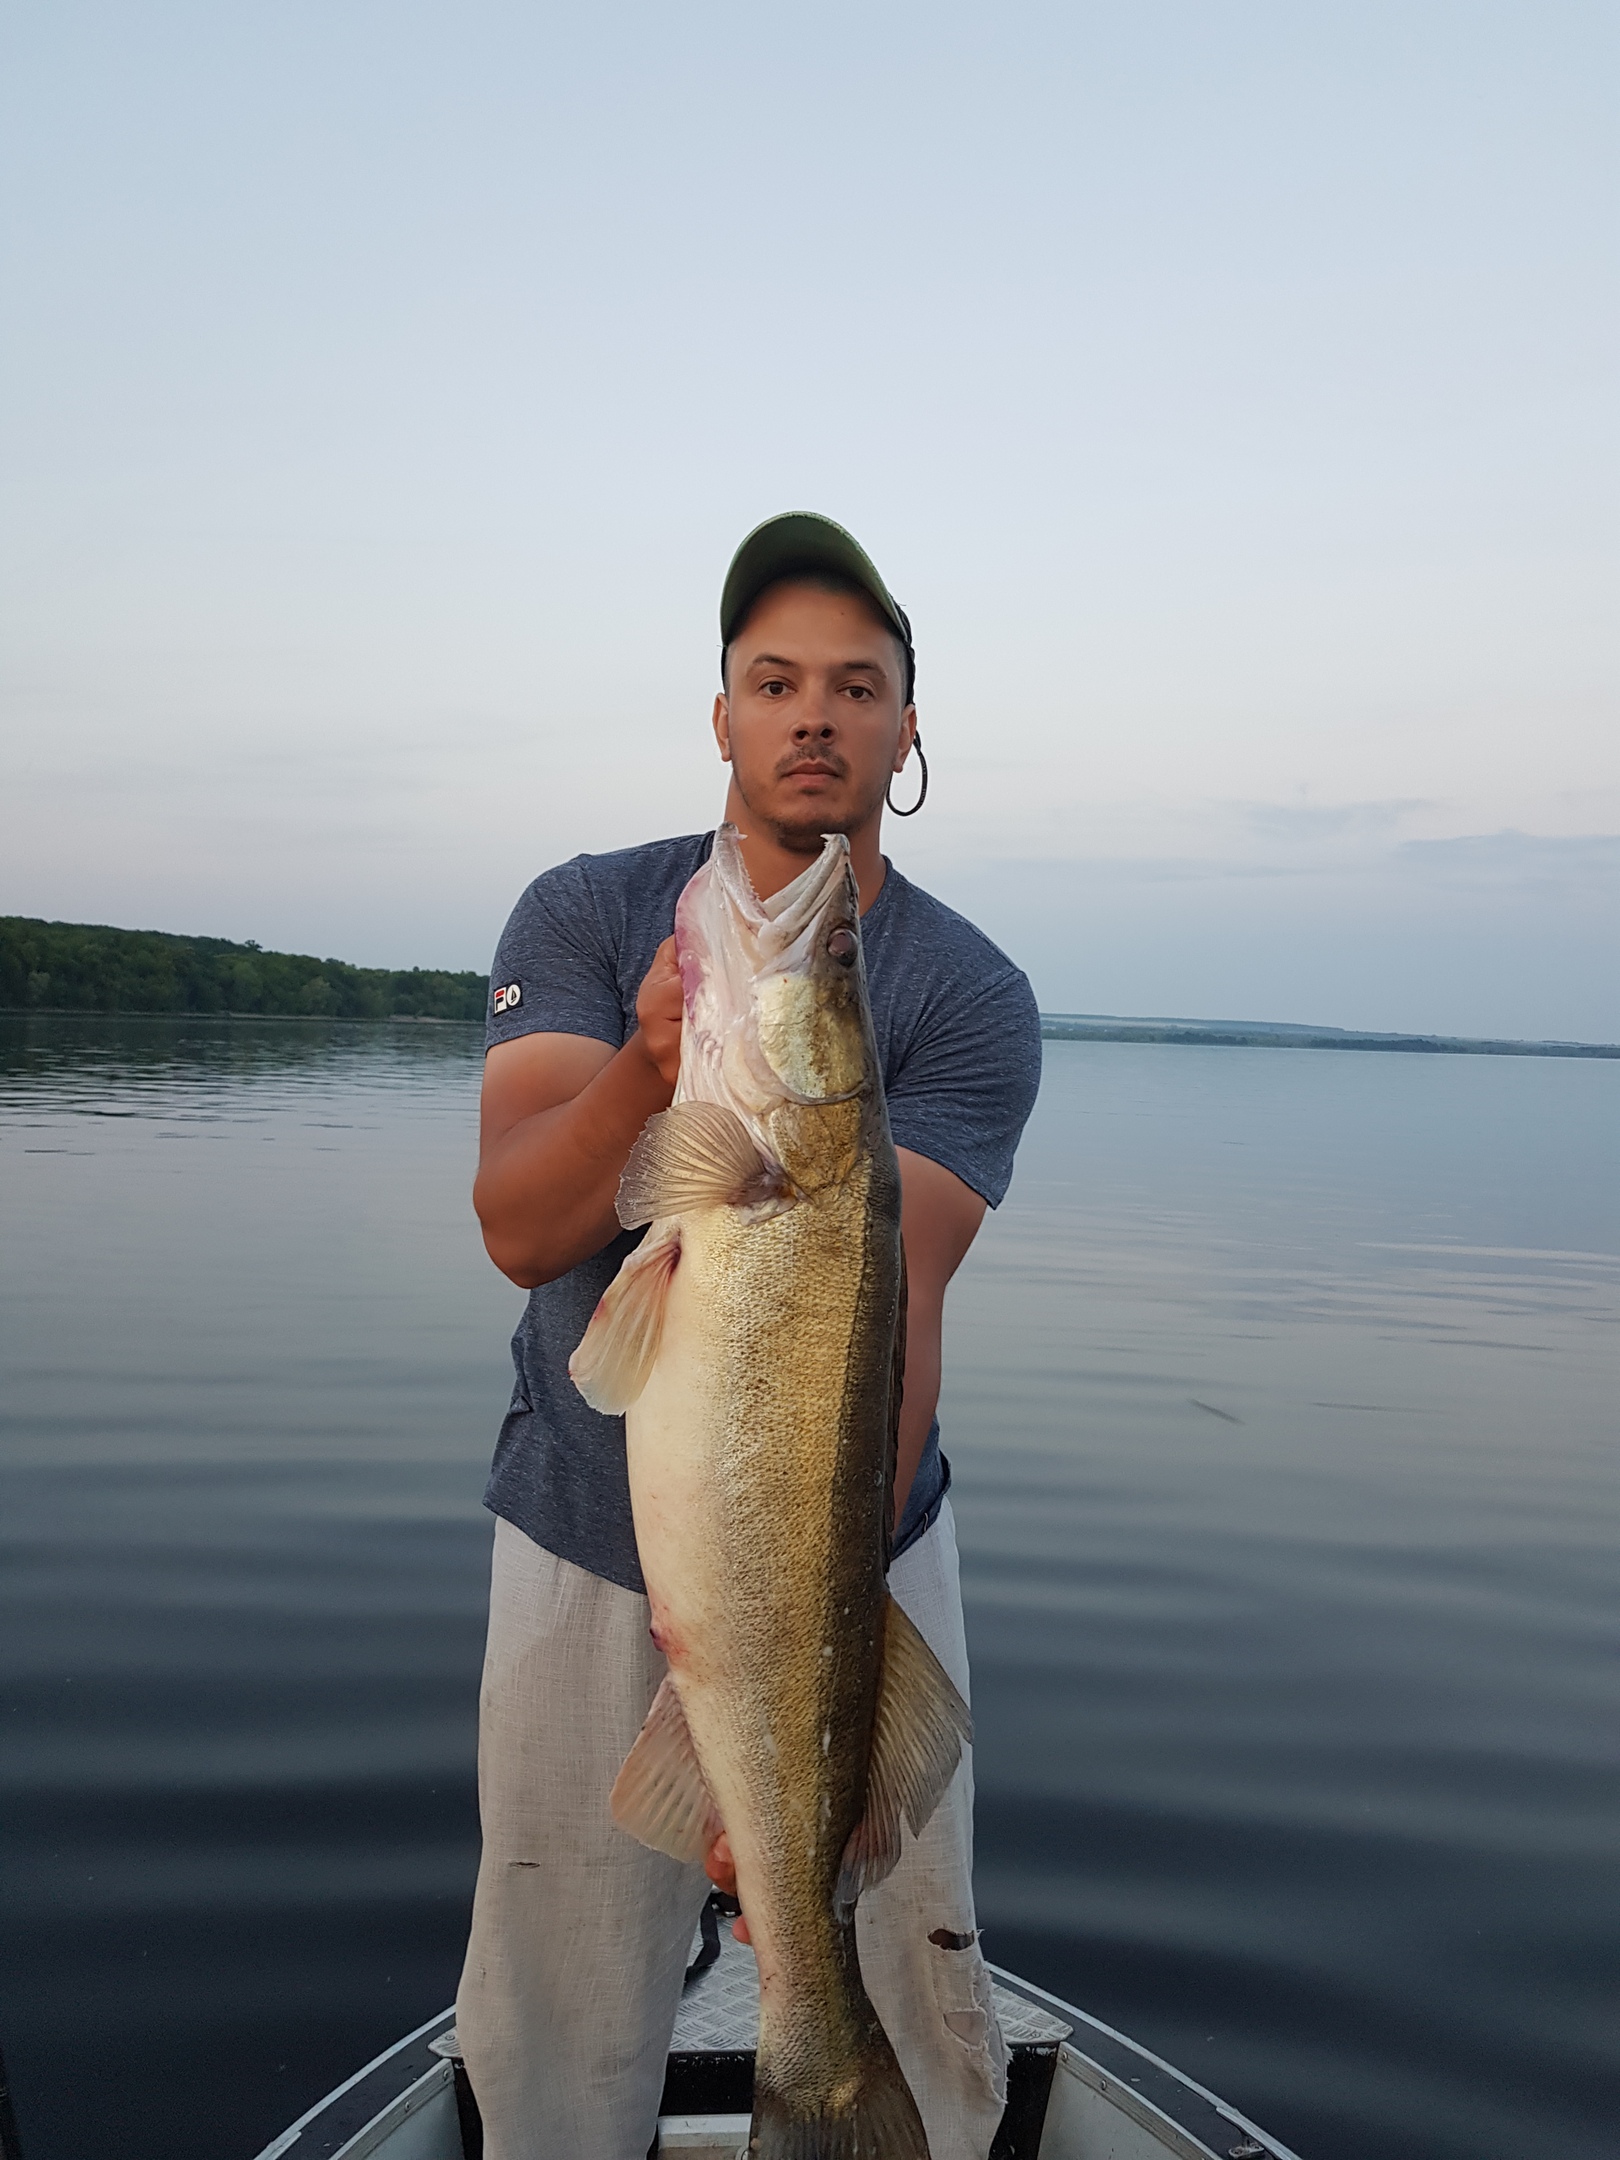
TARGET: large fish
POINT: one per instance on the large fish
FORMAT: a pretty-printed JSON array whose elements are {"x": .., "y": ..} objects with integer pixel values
[{"x": 755, "y": 1342}]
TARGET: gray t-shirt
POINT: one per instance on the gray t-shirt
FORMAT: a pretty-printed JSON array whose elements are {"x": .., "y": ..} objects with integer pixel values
[{"x": 960, "y": 1042}]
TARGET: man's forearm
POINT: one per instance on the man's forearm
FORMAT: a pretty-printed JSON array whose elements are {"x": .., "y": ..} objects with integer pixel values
[
  {"x": 545, "y": 1190},
  {"x": 938, "y": 1219},
  {"x": 918, "y": 1404}
]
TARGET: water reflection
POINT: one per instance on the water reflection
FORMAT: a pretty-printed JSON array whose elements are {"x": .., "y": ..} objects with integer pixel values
[{"x": 1280, "y": 1398}]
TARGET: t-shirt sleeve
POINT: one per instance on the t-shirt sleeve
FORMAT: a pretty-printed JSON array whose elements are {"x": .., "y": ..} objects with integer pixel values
[
  {"x": 555, "y": 968},
  {"x": 968, "y": 1081}
]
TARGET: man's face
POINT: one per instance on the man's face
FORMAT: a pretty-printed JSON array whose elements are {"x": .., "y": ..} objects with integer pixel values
[{"x": 812, "y": 724}]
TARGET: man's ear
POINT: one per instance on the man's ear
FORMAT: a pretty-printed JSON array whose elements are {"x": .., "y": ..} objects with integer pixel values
[
  {"x": 908, "y": 735},
  {"x": 722, "y": 726}
]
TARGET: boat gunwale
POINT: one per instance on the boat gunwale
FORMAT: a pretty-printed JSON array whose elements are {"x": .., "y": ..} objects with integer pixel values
[
  {"x": 289, "y": 2137},
  {"x": 1224, "y": 2108}
]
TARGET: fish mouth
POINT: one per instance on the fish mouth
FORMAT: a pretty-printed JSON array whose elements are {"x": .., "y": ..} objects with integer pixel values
[
  {"x": 781, "y": 922},
  {"x": 740, "y": 954}
]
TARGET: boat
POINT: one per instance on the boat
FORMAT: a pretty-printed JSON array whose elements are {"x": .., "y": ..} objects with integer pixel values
[{"x": 1076, "y": 2088}]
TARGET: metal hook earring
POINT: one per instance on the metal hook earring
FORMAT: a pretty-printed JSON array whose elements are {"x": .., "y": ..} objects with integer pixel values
[{"x": 922, "y": 792}]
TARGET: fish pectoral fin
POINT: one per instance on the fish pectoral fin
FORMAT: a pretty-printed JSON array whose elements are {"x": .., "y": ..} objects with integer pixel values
[
  {"x": 617, "y": 1351},
  {"x": 659, "y": 1795},
  {"x": 920, "y": 1729},
  {"x": 695, "y": 1155}
]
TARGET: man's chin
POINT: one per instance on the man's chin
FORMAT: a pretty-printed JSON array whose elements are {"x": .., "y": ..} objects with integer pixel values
[{"x": 801, "y": 825}]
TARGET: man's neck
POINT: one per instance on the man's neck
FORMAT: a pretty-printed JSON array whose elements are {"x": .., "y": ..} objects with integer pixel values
[{"x": 771, "y": 865}]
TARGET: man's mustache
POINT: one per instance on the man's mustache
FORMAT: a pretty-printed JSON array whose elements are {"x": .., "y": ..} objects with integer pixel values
[{"x": 827, "y": 761}]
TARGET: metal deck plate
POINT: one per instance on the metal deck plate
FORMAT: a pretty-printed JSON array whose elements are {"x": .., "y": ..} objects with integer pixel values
[{"x": 719, "y": 2013}]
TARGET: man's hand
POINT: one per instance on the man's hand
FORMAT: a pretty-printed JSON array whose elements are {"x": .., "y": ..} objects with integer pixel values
[
  {"x": 660, "y": 1011},
  {"x": 558, "y": 1118},
  {"x": 721, "y": 1870}
]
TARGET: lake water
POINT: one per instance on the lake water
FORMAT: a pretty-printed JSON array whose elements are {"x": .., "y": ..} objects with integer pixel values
[{"x": 1282, "y": 1397}]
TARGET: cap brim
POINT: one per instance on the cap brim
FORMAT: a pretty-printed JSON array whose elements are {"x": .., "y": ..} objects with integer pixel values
[{"x": 797, "y": 542}]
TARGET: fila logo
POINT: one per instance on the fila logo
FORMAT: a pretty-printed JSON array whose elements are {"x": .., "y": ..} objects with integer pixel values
[{"x": 508, "y": 997}]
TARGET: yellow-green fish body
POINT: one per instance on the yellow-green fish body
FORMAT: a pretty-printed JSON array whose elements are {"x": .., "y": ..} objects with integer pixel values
[{"x": 754, "y": 1341}]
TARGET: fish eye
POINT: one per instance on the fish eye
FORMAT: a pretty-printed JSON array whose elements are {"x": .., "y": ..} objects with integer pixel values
[{"x": 841, "y": 946}]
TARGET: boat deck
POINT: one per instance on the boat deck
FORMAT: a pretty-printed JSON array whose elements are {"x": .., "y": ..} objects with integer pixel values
[
  {"x": 719, "y": 2012},
  {"x": 711, "y": 2058},
  {"x": 1077, "y": 2089}
]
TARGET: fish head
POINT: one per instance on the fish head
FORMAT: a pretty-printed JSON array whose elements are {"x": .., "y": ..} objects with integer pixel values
[
  {"x": 776, "y": 1004},
  {"x": 814, "y": 1027}
]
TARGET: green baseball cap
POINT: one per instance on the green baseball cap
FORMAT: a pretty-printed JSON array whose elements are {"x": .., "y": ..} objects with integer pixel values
[{"x": 800, "y": 541}]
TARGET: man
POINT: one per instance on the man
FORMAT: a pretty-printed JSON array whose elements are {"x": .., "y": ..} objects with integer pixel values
[{"x": 580, "y": 1935}]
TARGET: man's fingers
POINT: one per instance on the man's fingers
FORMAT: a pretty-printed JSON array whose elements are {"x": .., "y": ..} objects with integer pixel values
[
  {"x": 659, "y": 1011},
  {"x": 664, "y": 975},
  {"x": 721, "y": 1870}
]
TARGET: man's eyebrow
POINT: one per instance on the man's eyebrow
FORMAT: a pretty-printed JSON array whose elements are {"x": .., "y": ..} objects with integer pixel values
[{"x": 770, "y": 659}]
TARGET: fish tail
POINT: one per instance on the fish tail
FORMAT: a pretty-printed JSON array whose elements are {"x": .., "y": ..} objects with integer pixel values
[{"x": 868, "y": 2115}]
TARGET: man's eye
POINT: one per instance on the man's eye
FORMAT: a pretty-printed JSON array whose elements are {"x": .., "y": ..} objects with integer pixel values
[
  {"x": 859, "y": 690},
  {"x": 774, "y": 688}
]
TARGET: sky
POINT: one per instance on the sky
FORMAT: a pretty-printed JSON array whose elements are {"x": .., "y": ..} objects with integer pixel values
[{"x": 1227, "y": 390}]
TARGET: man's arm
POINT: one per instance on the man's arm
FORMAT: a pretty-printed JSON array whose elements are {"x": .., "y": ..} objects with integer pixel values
[
  {"x": 939, "y": 1219},
  {"x": 557, "y": 1120}
]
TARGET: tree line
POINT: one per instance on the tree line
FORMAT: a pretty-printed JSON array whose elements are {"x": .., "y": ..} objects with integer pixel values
[{"x": 88, "y": 967}]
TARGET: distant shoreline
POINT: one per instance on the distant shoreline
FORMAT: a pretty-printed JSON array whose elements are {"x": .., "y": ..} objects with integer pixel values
[
  {"x": 92, "y": 970},
  {"x": 97, "y": 968},
  {"x": 1284, "y": 1035},
  {"x": 186, "y": 1012},
  {"x": 1055, "y": 1027}
]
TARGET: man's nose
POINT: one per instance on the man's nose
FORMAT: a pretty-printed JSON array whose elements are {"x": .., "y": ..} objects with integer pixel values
[{"x": 814, "y": 727}]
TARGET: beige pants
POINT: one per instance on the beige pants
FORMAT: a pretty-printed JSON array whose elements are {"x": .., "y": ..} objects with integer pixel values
[{"x": 580, "y": 1936}]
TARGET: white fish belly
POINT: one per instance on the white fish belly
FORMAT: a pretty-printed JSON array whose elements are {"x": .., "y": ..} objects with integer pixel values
[{"x": 675, "y": 1433}]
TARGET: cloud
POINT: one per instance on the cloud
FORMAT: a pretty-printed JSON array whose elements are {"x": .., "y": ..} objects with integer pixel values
[
  {"x": 1312, "y": 821},
  {"x": 1587, "y": 862}
]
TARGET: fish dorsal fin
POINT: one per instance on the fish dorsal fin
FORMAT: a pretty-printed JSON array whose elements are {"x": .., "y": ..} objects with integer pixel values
[
  {"x": 918, "y": 1734},
  {"x": 695, "y": 1155},
  {"x": 618, "y": 1349},
  {"x": 659, "y": 1796}
]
